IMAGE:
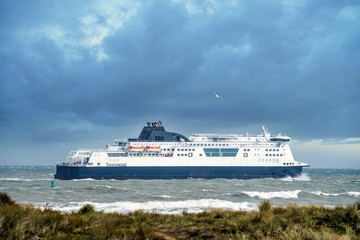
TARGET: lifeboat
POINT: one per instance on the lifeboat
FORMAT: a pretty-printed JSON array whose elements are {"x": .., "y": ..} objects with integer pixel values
[
  {"x": 153, "y": 148},
  {"x": 136, "y": 148}
]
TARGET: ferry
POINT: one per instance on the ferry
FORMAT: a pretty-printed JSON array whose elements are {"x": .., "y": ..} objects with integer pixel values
[{"x": 159, "y": 154}]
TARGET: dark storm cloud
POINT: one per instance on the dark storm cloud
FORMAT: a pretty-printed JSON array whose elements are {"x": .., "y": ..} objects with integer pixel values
[{"x": 290, "y": 67}]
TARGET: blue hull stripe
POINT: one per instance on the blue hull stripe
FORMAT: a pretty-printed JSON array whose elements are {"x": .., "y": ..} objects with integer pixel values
[{"x": 122, "y": 173}]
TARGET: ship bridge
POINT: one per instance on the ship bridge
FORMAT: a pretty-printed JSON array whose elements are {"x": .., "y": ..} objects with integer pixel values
[{"x": 155, "y": 132}]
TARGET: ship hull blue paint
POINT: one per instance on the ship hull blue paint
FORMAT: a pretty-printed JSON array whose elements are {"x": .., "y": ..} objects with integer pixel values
[{"x": 64, "y": 172}]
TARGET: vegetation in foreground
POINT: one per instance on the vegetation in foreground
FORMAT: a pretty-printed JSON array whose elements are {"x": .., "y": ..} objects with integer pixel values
[{"x": 291, "y": 222}]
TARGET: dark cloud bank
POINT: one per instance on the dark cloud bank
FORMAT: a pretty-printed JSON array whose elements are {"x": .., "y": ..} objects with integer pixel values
[{"x": 293, "y": 68}]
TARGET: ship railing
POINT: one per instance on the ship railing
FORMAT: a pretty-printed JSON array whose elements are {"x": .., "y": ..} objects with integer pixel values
[
  {"x": 71, "y": 164},
  {"x": 226, "y": 136},
  {"x": 99, "y": 150},
  {"x": 91, "y": 149},
  {"x": 213, "y": 135}
]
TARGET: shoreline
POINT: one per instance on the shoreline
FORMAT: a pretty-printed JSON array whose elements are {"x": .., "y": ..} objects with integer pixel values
[{"x": 271, "y": 222}]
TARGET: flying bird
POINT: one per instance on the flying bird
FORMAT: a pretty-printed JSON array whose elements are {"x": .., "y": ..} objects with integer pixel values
[{"x": 217, "y": 96}]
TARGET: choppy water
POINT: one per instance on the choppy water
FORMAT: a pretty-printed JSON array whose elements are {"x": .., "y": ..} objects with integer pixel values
[{"x": 323, "y": 187}]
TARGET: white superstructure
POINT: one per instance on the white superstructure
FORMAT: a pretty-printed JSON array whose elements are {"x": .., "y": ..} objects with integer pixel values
[{"x": 199, "y": 150}]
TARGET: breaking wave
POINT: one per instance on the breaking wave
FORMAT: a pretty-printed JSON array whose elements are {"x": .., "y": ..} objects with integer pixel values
[
  {"x": 301, "y": 177},
  {"x": 319, "y": 193},
  {"x": 25, "y": 179},
  {"x": 269, "y": 195},
  {"x": 163, "y": 207}
]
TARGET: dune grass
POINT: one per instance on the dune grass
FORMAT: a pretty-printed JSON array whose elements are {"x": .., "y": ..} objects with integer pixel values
[{"x": 270, "y": 222}]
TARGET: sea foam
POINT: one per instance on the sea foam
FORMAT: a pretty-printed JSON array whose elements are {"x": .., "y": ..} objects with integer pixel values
[
  {"x": 301, "y": 177},
  {"x": 269, "y": 195},
  {"x": 319, "y": 193},
  {"x": 355, "y": 194},
  {"x": 163, "y": 207}
]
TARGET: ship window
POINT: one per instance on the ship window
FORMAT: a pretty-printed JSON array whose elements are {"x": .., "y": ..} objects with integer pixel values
[
  {"x": 182, "y": 149},
  {"x": 244, "y": 150},
  {"x": 277, "y": 149},
  {"x": 185, "y": 154},
  {"x": 266, "y": 155},
  {"x": 248, "y": 150},
  {"x": 245, "y": 155},
  {"x": 193, "y": 149},
  {"x": 178, "y": 154},
  {"x": 182, "y": 154},
  {"x": 114, "y": 154},
  {"x": 200, "y": 154},
  {"x": 185, "y": 149},
  {"x": 221, "y": 152},
  {"x": 277, "y": 155}
]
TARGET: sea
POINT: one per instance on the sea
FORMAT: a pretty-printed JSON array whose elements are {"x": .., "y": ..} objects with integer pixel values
[{"x": 320, "y": 187}]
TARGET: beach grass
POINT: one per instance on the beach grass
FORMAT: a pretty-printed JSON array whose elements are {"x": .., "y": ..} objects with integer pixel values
[{"x": 269, "y": 222}]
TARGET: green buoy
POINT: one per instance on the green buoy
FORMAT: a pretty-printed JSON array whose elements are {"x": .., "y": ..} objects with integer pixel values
[{"x": 52, "y": 184}]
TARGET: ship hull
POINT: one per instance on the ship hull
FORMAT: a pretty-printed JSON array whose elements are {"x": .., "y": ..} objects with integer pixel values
[{"x": 65, "y": 172}]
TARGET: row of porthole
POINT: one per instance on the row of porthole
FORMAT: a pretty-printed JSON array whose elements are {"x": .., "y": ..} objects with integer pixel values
[
  {"x": 269, "y": 160},
  {"x": 288, "y": 164}
]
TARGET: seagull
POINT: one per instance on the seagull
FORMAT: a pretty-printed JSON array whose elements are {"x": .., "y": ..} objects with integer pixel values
[{"x": 217, "y": 96}]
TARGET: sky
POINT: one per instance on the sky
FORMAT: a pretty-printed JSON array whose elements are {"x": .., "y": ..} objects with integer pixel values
[{"x": 82, "y": 73}]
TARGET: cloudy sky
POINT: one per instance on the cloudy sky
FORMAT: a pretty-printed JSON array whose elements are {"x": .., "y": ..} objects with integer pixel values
[{"x": 81, "y": 73}]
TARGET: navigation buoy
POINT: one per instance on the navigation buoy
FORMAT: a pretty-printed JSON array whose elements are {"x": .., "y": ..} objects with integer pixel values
[{"x": 52, "y": 184}]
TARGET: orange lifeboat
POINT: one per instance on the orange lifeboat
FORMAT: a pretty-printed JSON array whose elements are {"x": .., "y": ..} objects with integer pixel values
[
  {"x": 153, "y": 148},
  {"x": 136, "y": 148}
]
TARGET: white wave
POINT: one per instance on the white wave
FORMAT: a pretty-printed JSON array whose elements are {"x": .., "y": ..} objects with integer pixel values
[
  {"x": 206, "y": 190},
  {"x": 356, "y": 194},
  {"x": 25, "y": 179},
  {"x": 164, "y": 207},
  {"x": 269, "y": 195},
  {"x": 84, "y": 179},
  {"x": 302, "y": 177},
  {"x": 165, "y": 196},
  {"x": 319, "y": 193}
]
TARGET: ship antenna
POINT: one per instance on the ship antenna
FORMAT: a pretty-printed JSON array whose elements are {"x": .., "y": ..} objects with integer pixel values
[{"x": 264, "y": 130}]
